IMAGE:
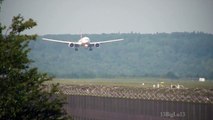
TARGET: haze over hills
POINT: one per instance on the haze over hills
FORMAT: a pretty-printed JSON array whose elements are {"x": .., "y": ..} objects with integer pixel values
[{"x": 172, "y": 55}]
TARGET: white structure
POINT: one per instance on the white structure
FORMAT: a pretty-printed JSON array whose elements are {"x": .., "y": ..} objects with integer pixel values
[
  {"x": 153, "y": 86},
  {"x": 178, "y": 86},
  {"x": 202, "y": 79},
  {"x": 158, "y": 85}
]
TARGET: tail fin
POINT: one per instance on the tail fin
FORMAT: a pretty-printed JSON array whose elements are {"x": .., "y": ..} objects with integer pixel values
[{"x": 81, "y": 35}]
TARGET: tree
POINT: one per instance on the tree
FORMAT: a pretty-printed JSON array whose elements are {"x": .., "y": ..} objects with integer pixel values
[
  {"x": 21, "y": 93},
  {"x": 1, "y": 2}
]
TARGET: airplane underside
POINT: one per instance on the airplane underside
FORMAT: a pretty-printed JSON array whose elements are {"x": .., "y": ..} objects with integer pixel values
[
  {"x": 90, "y": 48},
  {"x": 87, "y": 46}
]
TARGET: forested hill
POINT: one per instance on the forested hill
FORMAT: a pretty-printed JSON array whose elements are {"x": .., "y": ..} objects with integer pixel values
[{"x": 173, "y": 55}]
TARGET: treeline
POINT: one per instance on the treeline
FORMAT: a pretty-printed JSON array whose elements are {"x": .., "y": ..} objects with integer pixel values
[{"x": 171, "y": 55}]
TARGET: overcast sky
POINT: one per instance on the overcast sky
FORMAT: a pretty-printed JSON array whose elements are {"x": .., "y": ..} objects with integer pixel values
[{"x": 112, "y": 16}]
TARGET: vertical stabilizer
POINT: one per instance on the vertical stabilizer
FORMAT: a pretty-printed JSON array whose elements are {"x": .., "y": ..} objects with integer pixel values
[{"x": 81, "y": 35}]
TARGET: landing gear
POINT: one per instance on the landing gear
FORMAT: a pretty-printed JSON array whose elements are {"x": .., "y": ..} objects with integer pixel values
[
  {"x": 90, "y": 49},
  {"x": 76, "y": 49}
]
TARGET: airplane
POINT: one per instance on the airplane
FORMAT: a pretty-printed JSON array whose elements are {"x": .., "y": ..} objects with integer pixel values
[{"x": 84, "y": 42}]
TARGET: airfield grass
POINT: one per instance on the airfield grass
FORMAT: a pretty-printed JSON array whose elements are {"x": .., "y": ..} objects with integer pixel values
[{"x": 135, "y": 82}]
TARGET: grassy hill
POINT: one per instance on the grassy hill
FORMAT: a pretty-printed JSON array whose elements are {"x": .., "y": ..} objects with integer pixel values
[{"x": 171, "y": 55}]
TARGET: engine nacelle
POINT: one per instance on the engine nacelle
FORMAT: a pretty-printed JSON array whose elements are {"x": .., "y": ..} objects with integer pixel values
[
  {"x": 97, "y": 45},
  {"x": 70, "y": 45}
]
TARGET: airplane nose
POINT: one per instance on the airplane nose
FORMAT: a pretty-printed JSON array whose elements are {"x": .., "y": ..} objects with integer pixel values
[{"x": 86, "y": 45}]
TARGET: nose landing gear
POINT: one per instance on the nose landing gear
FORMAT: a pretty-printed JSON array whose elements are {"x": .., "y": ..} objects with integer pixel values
[{"x": 90, "y": 49}]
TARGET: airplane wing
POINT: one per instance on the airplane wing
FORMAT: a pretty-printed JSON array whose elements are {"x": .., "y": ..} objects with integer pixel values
[
  {"x": 107, "y": 41},
  {"x": 59, "y": 41}
]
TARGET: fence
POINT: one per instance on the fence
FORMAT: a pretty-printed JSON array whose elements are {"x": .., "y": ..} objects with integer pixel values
[{"x": 84, "y": 107}]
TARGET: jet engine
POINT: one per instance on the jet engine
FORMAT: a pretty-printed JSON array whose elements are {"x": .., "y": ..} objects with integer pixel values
[
  {"x": 70, "y": 45},
  {"x": 97, "y": 45}
]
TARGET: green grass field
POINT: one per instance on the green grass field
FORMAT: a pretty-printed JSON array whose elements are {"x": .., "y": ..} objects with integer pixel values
[{"x": 136, "y": 82}]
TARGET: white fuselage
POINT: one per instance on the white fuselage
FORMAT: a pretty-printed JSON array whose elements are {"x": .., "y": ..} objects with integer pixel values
[{"x": 85, "y": 41}]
